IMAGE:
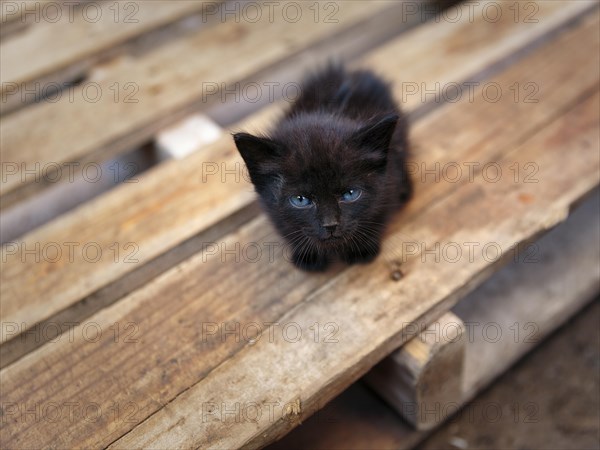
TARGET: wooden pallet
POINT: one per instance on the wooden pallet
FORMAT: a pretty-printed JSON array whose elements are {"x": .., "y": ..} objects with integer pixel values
[{"x": 162, "y": 361}]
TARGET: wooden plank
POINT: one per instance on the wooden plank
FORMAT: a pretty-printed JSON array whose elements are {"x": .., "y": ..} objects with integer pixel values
[
  {"x": 465, "y": 43},
  {"x": 526, "y": 300},
  {"x": 156, "y": 90},
  {"x": 17, "y": 15},
  {"x": 174, "y": 142},
  {"x": 175, "y": 368},
  {"x": 64, "y": 48},
  {"x": 372, "y": 320},
  {"x": 81, "y": 187},
  {"x": 425, "y": 373},
  {"x": 28, "y": 11},
  {"x": 177, "y": 211}
]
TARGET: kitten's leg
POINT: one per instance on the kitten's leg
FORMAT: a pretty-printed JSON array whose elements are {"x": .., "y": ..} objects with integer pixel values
[{"x": 310, "y": 260}]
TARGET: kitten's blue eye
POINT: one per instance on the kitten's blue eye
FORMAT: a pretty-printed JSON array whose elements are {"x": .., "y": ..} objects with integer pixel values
[
  {"x": 300, "y": 201},
  {"x": 351, "y": 195}
]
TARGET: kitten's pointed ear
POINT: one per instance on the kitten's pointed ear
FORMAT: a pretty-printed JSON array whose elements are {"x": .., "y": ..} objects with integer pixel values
[
  {"x": 258, "y": 152},
  {"x": 260, "y": 156},
  {"x": 377, "y": 135}
]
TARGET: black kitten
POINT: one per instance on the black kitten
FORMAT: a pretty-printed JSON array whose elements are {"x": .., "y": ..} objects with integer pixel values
[{"x": 333, "y": 169}]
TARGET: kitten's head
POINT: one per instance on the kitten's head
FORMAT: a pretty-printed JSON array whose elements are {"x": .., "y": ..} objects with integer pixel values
[{"x": 320, "y": 176}]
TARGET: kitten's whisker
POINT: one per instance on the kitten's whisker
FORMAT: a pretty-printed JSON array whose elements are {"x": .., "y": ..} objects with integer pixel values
[
  {"x": 395, "y": 232},
  {"x": 292, "y": 233},
  {"x": 354, "y": 243},
  {"x": 367, "y": 240},
  {"x": 295, "y": 238},
  {"x": 299, "y": 243},
  {"x": 305, "y": 249}
]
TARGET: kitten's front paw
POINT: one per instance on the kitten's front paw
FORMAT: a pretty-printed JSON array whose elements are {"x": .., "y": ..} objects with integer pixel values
[
  {"x": 310, "y": 261},
  {"x": 361, "y": 255}
]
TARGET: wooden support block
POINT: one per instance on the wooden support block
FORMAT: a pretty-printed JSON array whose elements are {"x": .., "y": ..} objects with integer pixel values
[
  {"x": 425, "y": 373},
  {"x": 552, "y": 279}
]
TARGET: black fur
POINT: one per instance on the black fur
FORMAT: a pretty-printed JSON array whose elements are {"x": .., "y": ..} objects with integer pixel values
[{"x": 344, "y": 132}]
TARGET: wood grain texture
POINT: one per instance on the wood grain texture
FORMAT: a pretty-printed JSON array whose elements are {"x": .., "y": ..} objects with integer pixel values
[
  {"x": 63, "y": 49},
  {"x": 14, "y": 16},
  {"x": 185, "y": 205},
  {"x": 169, "y": 80},
  {"x": 178, "y": 375},
  {"x": 428, "y": 72}
]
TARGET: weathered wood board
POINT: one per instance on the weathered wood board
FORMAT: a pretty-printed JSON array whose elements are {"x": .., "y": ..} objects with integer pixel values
[
  {"x": 16, "y": 16},
  {"x": 68, "y": 39}
]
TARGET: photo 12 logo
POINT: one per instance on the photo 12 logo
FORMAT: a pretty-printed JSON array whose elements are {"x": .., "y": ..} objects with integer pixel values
[
  {"x": 69, "y": 11},
  {"x": 271, "y": 11}
]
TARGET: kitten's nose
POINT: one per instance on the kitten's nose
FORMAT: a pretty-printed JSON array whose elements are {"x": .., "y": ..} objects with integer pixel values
[{"x": 330, "y": 227}]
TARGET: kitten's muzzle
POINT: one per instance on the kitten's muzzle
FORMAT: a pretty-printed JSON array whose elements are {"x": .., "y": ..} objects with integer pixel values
[
  {"x": 328, "y": 230},
  {"x": 330, "y": 234}
]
